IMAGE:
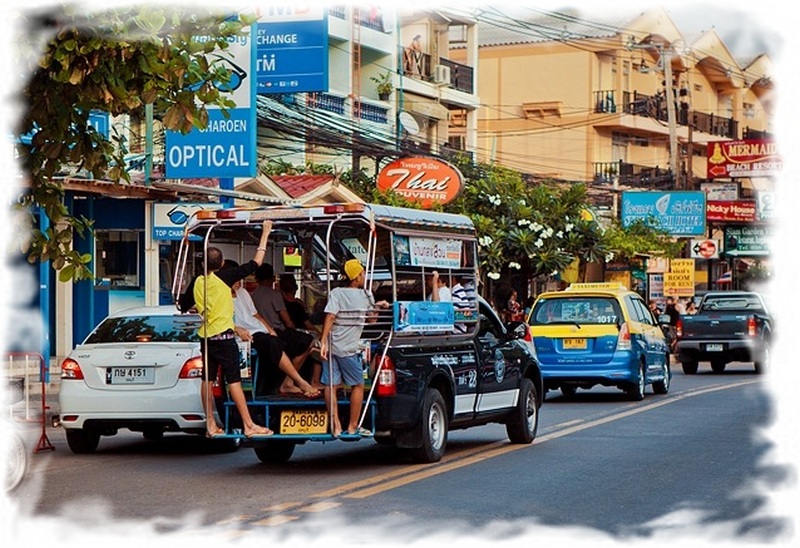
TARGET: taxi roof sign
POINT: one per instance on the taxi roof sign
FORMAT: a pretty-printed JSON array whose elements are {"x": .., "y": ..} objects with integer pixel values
[{"x": 606, "y": 286}]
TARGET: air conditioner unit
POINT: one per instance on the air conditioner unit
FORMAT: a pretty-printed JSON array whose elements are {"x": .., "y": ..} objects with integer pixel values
[{"x": 441, "y": 74}]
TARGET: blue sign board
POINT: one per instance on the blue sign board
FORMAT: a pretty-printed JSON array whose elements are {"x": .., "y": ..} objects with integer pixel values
[
  {"x": 292, "y": 56},
  {"x": 677, "y": 213},
  {"x": 100, "y": 122},
  {"x": 226, "y": 148},
  {"x": 423, "y": 316},
  {"x": 169, "y": 219}
]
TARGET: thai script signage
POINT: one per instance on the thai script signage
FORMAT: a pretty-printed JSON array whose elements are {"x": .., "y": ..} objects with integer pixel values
[
  {"x": 430, "y": 252},
  {"x": 679, "y": 281},
  {"x": 745, "y": 158},
  {"x": 736, "y": 211},
  {"x": 423, "y": 316},
  {"x": 677, "y": 213},
  {"x": 423, "y": 180}
]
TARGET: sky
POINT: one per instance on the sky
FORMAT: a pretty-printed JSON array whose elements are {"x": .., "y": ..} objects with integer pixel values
[{"x": 746, "y": 28}]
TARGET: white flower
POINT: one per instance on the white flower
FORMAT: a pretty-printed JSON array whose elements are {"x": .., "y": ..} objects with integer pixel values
[
  {"x": 560, "y": 234},
  {"x": 544, "y": 235},
  {"x": 523, "y": 222},
  {"x": 485, "y": 241},
  {"x": 494, "y": 275},
  {"x": 514, "y": 265},
  {"x": 610, "y": 257},
  {"x": 568, "y": 227},
  {"x": 538, "y": 243},
  {"x": 495, "y": 199},
  {"x": 554, "y": 273}
]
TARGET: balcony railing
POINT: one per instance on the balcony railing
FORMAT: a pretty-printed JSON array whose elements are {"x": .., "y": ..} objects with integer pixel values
[
  {"x": 325, "y": 101},
  {"x": 417, "y": 64},
  {"x": 373, "y": 113},
  {"x": 655, "y": 107},
  {"x": 633, "y": 175},
  {"x": 460, "y": 75}
]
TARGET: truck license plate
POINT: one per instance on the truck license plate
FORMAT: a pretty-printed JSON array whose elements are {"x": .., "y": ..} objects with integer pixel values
[
  {"x": 130, "y": 375},
  {"x": 714, "y": 348},
  {"x": 304, "y": 421},
  {"x": 575, "y": 344}
]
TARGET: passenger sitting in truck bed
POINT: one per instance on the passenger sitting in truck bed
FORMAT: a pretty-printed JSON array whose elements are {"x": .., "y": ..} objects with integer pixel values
[
  {"x": 270, "y": 304},
  {"x": 438, "y": 290},
  {"x": 276, "y": 373}
]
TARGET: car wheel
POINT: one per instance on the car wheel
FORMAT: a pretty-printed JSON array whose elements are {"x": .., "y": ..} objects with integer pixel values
[
  {"x": 433, "y": 424},
  {"x": 718, "y": 366},
  {"x": 274, "y": 451},
  {"x": 662, "y": 386},
  {"x": 568, "y": 390},
  {"x": 763, "y": 364},
  {"x": 82, "y": 441},
  {"x": 690, "y": 368},
  {"x": 17, "y": 463},
  {"x": 636, "y": 389},
  {"x": 525, "y": 417}
]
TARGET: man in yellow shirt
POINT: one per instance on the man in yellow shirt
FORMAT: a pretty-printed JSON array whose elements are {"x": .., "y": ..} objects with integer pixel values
[{"x": 213, "y": 300}]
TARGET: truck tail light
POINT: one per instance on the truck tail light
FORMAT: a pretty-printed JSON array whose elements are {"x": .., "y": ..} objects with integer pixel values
[
  {"x": 624, "y": 338},
  {"x": 679, "y": 328},
  {"x": 386, "y": 379},
  {"x": 751, "y": 326},
  {"x": 192, "y": 369},
  {"x": 70, "y": 369},
  {"x": 528, "y": 337}
]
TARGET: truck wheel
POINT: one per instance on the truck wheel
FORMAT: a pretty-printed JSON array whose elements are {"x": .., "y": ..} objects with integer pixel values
[
  {"x": 762, "y": 365},
  {"x": 635, "y": 390},
  {"x": 274, "y": 451},
  {"x": 662, "y": 387},
  {"x": 433, "y": 424},
  {"x": 82, "y": 441},
  {"x": 690, "y": 368},
  {"x": 524, "y": 421},
  {"x": 718, "y": 366}
]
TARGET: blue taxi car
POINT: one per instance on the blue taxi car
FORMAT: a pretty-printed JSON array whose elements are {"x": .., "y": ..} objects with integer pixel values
[{"x": 599, "y": 334}]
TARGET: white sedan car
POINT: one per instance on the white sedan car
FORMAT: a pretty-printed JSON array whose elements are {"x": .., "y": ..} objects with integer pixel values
[{"x": 139, "y": 369}]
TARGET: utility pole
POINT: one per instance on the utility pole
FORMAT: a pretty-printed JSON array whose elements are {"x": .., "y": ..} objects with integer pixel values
[{"x": 666, "y": 64}]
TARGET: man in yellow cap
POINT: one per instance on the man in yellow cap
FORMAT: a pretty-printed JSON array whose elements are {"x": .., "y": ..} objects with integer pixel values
[{"x": 348, "y": 309}]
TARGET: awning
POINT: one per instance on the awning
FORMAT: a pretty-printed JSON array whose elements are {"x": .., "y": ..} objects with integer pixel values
[{"x": 431, "y": 109}]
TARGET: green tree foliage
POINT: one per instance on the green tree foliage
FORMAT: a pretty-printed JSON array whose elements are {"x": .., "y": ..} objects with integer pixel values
[
  {"x": 624, "y": 243},
  {"x": 538, "y": 229},
  {"x": 116, "y": 62}
]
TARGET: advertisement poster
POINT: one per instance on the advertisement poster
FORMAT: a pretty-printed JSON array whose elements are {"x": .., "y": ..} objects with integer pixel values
[
  {"x": 430, "y": 252},
  {"x": 423, "y": 316}
]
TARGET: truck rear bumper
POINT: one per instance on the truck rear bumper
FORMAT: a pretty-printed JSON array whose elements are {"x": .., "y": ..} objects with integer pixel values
[{"x": 727, "y": 351}]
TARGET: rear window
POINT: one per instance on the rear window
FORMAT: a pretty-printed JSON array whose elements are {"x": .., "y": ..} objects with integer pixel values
[
  {"x": 576, "y": 310},
  {"x": 178, "y": 328},
  {"x": 748, "y": 303}
]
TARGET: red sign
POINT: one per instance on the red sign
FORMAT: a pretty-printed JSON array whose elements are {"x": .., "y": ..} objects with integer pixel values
[
  {"x": 733, "y": 211},
  {"x": 423, "y": 180},
  {"x": 746, "y": 158}
]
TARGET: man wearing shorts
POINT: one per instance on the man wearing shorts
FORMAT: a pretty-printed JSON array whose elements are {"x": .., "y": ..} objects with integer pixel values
[
  {"x": 214, "y": 302},
  {"x": 348, "y": 309}
]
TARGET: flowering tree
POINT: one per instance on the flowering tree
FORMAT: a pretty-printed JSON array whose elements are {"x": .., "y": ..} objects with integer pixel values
[{"x": 536, "y": 229}]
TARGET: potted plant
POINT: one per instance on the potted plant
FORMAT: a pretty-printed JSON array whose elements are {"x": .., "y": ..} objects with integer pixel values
[{"x": 383, "y": 85}]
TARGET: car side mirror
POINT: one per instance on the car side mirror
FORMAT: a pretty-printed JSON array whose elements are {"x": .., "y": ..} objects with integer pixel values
[
  {"x": 517, "y": 330},
  {"x": 664, "y": 319}
]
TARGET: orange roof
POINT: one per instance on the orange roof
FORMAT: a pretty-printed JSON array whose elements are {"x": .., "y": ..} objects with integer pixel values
[{"x": 299, "y": 185}]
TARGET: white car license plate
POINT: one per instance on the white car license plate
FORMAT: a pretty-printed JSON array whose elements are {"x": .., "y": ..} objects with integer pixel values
[
  {"x": 714, "y": 348},
  {"x": 130, "y": 375}
]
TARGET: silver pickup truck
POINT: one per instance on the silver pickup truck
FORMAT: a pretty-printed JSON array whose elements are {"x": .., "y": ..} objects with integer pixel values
[{"x": 728, "y": 326}]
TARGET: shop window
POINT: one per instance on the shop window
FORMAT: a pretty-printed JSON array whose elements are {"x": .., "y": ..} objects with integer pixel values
[{"x": 117, "y": 258}]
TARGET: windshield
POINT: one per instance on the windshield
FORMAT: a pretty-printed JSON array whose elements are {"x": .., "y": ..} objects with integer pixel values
[
  {"x": 576, "y": 310},
  {"x": 178, "y": 328}
]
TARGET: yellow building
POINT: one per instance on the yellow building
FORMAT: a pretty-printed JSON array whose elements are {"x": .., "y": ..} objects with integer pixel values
[{"x": 582, "y": 99}]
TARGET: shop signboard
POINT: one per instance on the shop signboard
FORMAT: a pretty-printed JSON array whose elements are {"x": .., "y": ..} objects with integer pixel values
[
  {"x": 679, "y": 281},
  {"x": 226, "y": 147},
  {"x": 680, "y": 213},
  {"x": 292, "y": 48},
  {"x": 743, "y": 158},
  {"x": 747, "y": 240},
  {"x": 169, "y": 219},
  {"x": 421, "y": 179},
  {"x": 735, "y": 211}
]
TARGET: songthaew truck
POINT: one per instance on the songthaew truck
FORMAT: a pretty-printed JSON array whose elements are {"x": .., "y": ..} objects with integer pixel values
[{"x": 429, "y": 366}]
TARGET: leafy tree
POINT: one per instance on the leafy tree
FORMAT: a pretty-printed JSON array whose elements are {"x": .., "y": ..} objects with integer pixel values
[
  {"x": 624, "y": 243},
  {"x": 117, "y": 62}
]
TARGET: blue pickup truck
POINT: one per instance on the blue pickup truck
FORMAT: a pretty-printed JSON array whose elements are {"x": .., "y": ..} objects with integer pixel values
[{"x": 728, "y": 326}]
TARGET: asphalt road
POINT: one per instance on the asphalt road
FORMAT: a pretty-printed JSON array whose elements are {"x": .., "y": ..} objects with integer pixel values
[{"x": 689, "y": 464}]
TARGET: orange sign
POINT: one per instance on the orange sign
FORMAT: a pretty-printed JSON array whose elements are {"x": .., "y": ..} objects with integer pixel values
[{"x": 423, "y": 180}]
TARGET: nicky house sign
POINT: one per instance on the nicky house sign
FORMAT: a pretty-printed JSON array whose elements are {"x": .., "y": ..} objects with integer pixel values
[{"x": 423, "y": 180}]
